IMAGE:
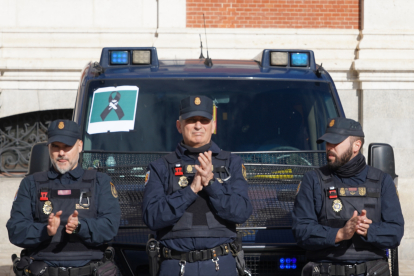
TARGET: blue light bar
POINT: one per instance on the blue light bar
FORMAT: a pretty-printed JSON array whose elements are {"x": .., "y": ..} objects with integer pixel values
[
  {"x": 119, "y": 57},
  {"x": 287, "y": 263},
  {"x": 299, "y": 59}
]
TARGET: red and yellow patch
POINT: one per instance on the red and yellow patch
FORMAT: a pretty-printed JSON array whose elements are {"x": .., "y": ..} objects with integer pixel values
[
  {"x": 113, "y": 190},
  {"x": 147, "y": 176},
  {"x": 244, "y": 172}
]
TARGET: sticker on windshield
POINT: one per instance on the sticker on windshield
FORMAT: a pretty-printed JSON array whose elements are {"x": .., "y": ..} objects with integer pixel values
[{"x": 113, "y": 109}]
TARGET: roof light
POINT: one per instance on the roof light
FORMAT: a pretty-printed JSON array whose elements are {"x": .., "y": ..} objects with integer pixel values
[
  {"x": 288, "y": 266},
  {"x": 282, "y": 266},
  {"x": 288, "y": 260},
  {"x": 294, "y": 266},
  {"x": 299, "y": 59},
  {"x": 282, "y": 260},
  {"x": 294, "y": 260},
  {"x": 119, "y": 57},
  {"x": 141, "y": 57},
  {"x": 279, "y": 58}
]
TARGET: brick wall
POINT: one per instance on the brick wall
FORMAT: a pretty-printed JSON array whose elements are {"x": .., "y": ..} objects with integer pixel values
[{"x": 333, "y": 14}]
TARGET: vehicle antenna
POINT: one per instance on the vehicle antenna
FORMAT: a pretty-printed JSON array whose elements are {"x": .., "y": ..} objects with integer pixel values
[
  {"x": 207, "y": 62},
  {"x": 201, "y": 46}
]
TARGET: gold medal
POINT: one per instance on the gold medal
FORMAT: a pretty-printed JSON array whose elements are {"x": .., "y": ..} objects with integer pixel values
[
  {"x": 362, "y": 191},
  {"x": 183, "y": 182},
  {"x": 47, "y": 207},
  {"x": 189, "y": 169},
  {"x": 342, "y": 192},
  {"x": 337, "y": 205}
]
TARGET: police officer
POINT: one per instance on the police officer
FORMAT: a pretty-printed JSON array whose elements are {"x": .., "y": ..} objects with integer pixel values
[
  {"x": 195, "y": 196},
  {"x": 63, "y": 217},
  {"x": 346, "y": 214}
]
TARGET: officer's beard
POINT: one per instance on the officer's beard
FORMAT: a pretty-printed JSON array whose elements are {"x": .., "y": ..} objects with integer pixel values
[
  {"x": 69, "y": 167},
  {"x": 339, "y": 161}
]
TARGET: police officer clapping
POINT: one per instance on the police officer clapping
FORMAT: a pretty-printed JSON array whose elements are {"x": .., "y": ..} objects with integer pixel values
[
  {"x": 347, "y": 214},
  {"x": 65, "y": 216},
  {"x": 194, "y": 197}
]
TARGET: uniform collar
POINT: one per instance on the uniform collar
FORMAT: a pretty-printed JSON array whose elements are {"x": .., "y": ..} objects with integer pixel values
[
  {"x": 180, "y": 150},
  {"x": 360, "y": 177},
  {"x": 75, "y": 173}
]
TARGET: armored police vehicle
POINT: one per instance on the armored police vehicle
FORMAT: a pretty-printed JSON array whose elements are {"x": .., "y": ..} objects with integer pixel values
[{"x": 270, "y": 111}]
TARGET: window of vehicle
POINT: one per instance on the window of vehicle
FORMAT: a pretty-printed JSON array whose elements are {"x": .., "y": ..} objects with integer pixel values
[{"x": 252, "y": 114}]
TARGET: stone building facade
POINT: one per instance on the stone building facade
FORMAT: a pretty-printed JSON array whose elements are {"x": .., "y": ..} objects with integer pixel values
[{"x": 366, "y": 45}]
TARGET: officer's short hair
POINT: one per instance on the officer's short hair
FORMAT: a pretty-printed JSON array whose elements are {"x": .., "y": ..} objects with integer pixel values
[{"x": 352, "y": 139}]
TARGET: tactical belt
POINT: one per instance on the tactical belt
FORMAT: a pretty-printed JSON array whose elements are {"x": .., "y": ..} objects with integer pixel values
[
  {"x": 341, "y": 270},
  {"x": 71, "y": 271},
  {"x": 197, "y": 255}
]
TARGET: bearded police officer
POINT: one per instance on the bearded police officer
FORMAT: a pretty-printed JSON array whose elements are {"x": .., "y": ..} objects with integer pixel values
[
  {"x": 63, "y": 217},
  {"x": 195, "y": 196},
  {"x": 346, "y": 214}
]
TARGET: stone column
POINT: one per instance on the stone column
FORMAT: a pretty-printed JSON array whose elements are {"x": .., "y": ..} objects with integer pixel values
[{"x": 385, "y": 65}]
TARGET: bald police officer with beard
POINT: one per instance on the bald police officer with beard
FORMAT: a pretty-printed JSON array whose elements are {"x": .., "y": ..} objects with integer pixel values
[
  {"x": 63, "y": 217},
  {"x": 346, "y": 214},
  {"x": 195, "y": 196}
]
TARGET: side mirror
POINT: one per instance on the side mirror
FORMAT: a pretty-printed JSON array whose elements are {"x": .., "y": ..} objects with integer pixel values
[
  {"x": 39, "y": 158},
  {"x": 381, "y": 156}
]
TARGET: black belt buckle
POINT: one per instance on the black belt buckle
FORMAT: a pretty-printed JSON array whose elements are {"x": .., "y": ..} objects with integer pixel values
[
  {"x": 197, "y": 256},
  {"x": 349, "y": 269},
  {"x": 325, "y": 269}
]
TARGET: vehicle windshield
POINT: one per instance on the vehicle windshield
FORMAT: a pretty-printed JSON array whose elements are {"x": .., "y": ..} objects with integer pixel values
[{"x": 251, "y": 114}]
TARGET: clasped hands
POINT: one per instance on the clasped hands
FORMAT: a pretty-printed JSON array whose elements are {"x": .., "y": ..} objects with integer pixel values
[
  {"x": 356, "y": 224},
  {"x": 54, "y": 222},
  {"x": 204, "y": 172}
]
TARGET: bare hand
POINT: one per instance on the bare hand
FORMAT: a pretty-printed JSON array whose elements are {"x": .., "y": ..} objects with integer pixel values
[
  {"x": 348, "y": 231},
  {"x": 363, "y": 224},
  {"x": 53, "y": 223},
  {"x": 196, "y": 184},
  {"x": 72, "y": 222},
  {"x": 204, "y": 170}
]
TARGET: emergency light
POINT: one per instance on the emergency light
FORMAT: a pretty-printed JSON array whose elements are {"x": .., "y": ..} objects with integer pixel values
[
  {"x": 287, "y": 263},
  {"x": 141, "y": 57},
  {"x": 129, "y": 56},
  {"x": 271, "y": 58},
  {"x": 119, "y": 57},
  {"x": 299, "y": 59}
]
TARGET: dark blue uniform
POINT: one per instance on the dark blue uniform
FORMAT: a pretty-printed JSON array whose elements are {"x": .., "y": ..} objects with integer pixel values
[
  {"x": 228, "y": 200},
  {"x": 311, "y": 235},
  {"x": 25, "y": 232}
]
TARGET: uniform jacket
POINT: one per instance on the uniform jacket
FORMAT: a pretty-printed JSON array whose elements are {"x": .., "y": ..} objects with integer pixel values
[
  {"x": 313, "y": 236},
  {"x": 229, "y": 200},
  {"x": 25, "y": 232}
]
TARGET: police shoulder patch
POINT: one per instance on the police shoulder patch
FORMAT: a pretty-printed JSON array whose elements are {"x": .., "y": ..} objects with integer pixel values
[
  {"x": 244, "y": 172},
  {"x": 15, "y": 196},
  {"x": 113, "y": 190},
  {"x": 147, "y": 176},
  {"x": 298, "y": 188}
]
